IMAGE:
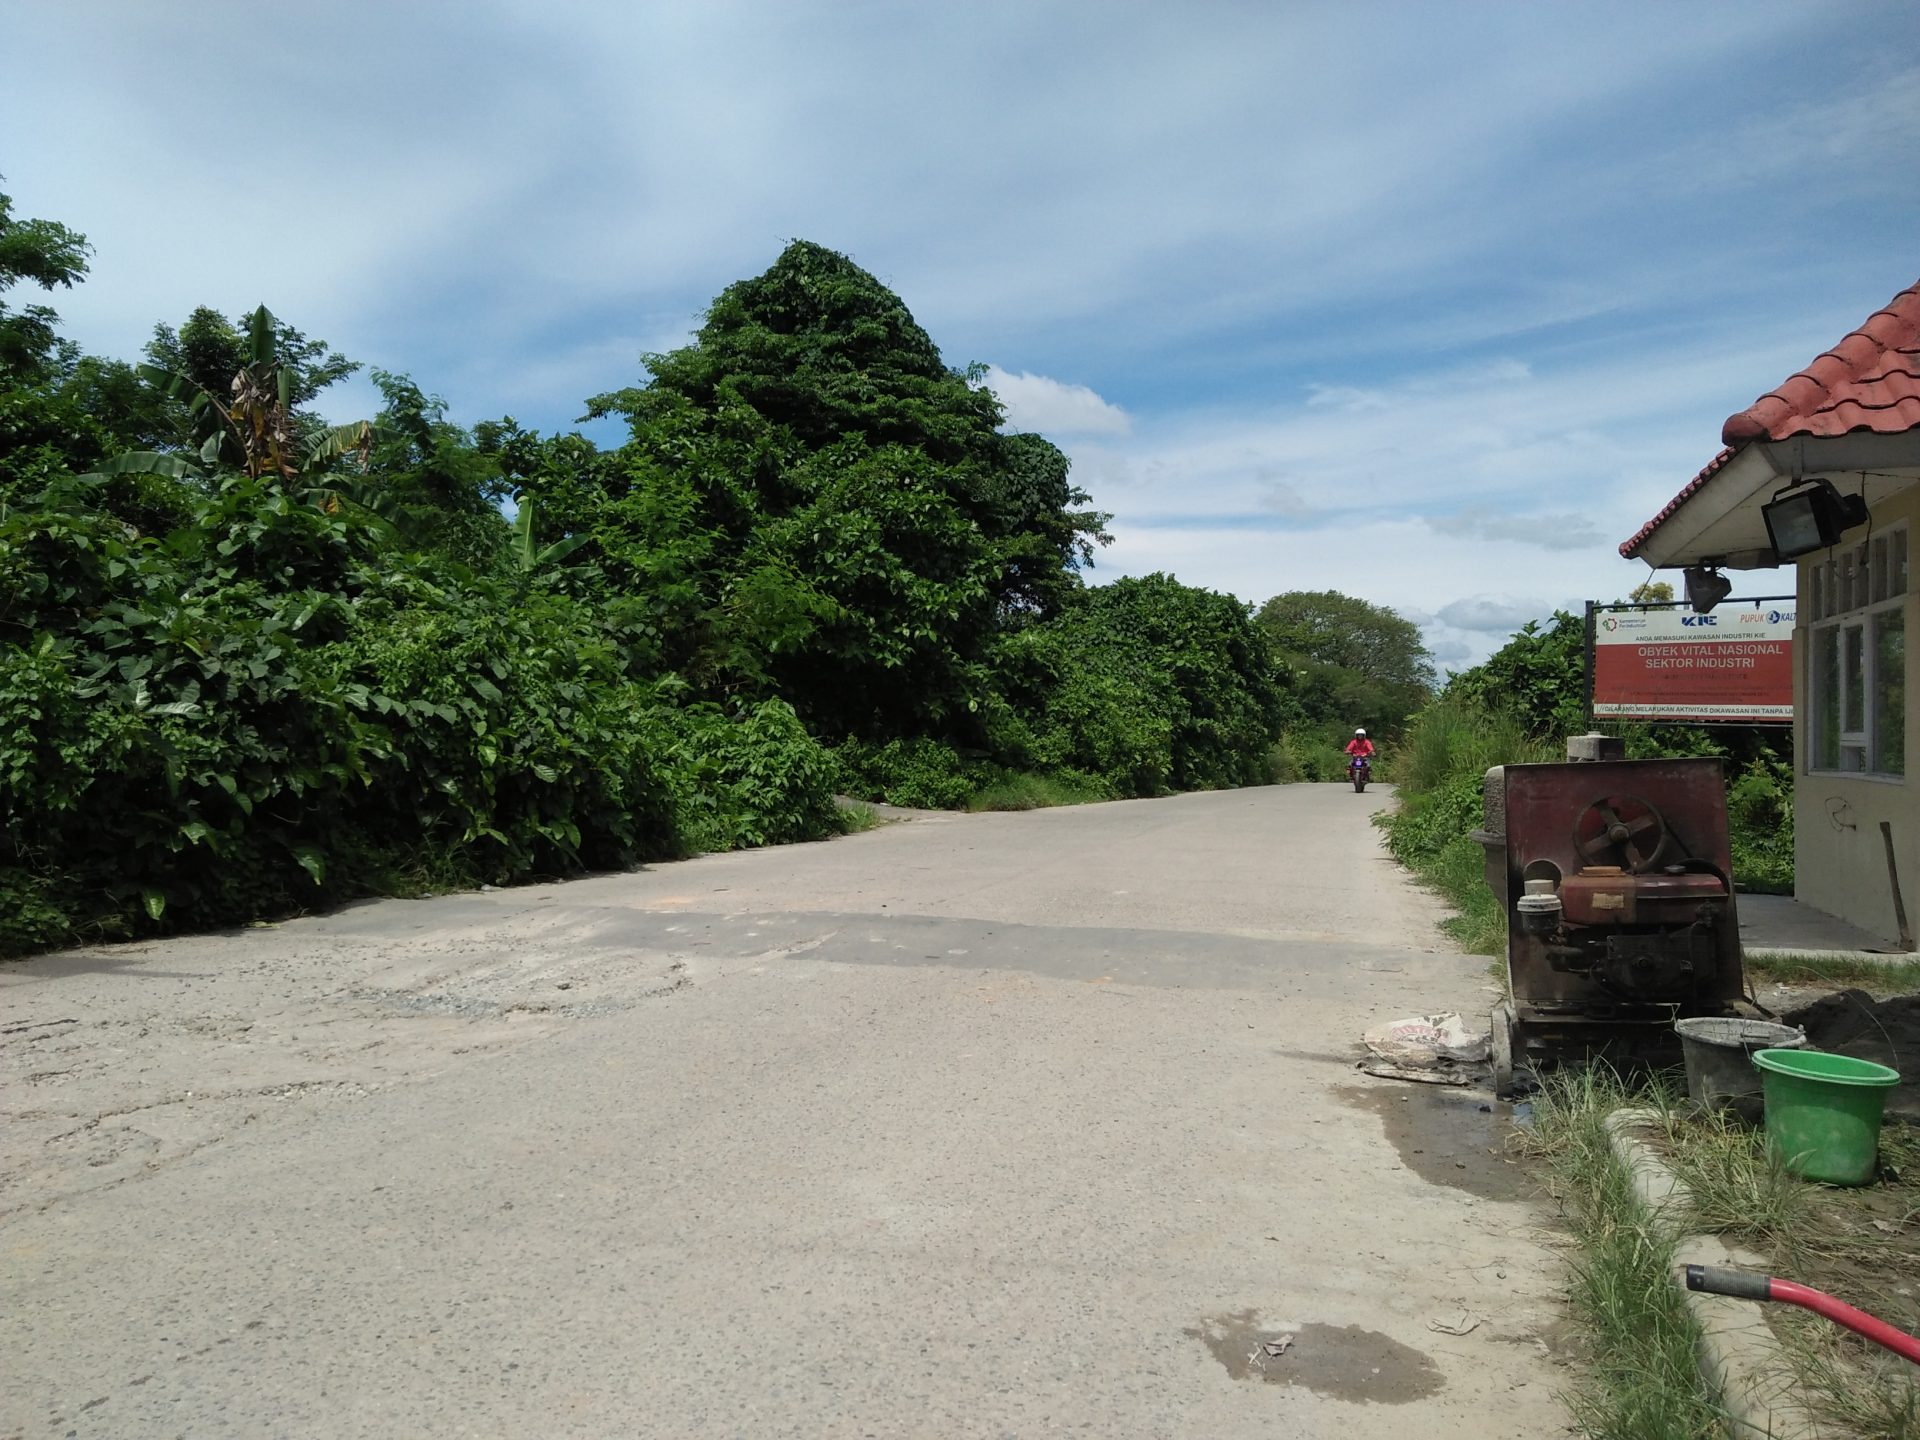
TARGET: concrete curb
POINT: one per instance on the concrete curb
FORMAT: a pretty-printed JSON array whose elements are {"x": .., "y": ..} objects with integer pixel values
[{"x": 1738, "y": 1353}]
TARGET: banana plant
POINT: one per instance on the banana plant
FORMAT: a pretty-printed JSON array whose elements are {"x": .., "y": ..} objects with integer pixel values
[
  {"x": 529, "y": 557},
  {"x": 254, "y": 428}
]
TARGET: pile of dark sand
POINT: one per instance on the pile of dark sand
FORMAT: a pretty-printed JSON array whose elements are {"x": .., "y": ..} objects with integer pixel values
[{"x": 1852, "y": 1022}]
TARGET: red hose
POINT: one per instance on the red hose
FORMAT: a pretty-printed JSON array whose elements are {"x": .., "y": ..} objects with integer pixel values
[
  {"x": 1790, "y": 1293},
  {"x": 1751, "y": 1285}
]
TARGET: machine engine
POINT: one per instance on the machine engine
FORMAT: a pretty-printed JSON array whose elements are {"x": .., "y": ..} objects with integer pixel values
[{"x": 1617, "y": 880}]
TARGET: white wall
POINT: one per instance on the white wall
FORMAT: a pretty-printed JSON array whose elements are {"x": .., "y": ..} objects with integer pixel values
[{"x": 1839, "y": 856}]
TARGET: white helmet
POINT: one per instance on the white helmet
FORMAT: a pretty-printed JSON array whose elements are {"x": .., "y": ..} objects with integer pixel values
[{"x": 1360, "y": 732}]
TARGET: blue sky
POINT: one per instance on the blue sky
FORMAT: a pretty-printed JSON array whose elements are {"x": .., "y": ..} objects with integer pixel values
[{"x": 1432, "y": 303}]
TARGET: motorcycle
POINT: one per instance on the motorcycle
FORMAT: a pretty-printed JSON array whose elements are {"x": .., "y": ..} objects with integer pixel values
[{"x": 1360, "y": 770}]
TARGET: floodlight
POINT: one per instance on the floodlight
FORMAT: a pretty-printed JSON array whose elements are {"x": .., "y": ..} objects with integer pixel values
[
  {"x": 1810, "y": 516},
  {"x": 1706, "y": 587}
]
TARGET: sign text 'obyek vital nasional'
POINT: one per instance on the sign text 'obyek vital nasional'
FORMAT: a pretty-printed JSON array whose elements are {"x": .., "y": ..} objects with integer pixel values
[{"x": 1733, "y": 665}]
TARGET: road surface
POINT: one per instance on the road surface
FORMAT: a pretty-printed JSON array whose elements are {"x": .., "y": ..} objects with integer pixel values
[{"x": 971, "y": 1125}]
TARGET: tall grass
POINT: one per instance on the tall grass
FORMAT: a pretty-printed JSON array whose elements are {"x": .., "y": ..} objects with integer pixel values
[
  {"x": 1023, "y": 790},
  {"x": 1317, "y": 753},
  {"x": 1641, "y": 1381},
  {"x": 1441, "y": 762},
  {"x": 1825, "y": 1238},
  {"x": 1454, "y": 737},
  {"x": 856, "y": 816}
]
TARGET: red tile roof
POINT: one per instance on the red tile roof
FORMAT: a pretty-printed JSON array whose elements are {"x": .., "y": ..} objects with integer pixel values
[
  {"x": 1869, "y": 381},
  {"x": 1692, "y": 487}
]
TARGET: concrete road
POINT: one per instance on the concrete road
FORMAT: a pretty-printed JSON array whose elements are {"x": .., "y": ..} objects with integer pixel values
[{"x": 971, "y": 1125}]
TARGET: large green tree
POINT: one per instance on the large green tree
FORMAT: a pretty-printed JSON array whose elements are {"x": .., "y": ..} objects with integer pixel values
[
  {"x": 1351, "y": 662},
  {"x": 250, "y": 663},
  {"x": 827, "y": 510},
  {"x": 1145, "y": 685},
  {"x": 47, "y": 423},
  {"x": 44, "y": 253}
]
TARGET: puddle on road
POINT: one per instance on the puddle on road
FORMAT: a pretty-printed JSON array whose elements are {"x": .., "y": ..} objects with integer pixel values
[
  {"x": 1446, "y": 1135},
  {"x": 1342, "y": 1362}
]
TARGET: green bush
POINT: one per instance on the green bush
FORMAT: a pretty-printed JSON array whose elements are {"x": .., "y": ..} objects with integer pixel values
[
  {"x": 1760, "y": 818},
  {"x": 1288, "y": 762},
  {"x": 1318, "y": 753},
  {"x": 758, "y": 779},
  {"x": 1538, "y": 677},
  {"x": 1455, "y": 737},
  {"x": 1442, "y": 760},
  {"x": 1148, "y": 685},
  {"x": 919, "y": 774},
  {"x": 184, "y": 743}
]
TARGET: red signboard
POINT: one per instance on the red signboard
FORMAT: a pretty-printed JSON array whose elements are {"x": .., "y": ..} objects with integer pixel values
[{"x": 1733, "y": 665}]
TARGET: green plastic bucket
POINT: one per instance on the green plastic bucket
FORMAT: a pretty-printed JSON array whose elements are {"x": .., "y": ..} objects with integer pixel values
[{"x": 1823, "y": 1112}]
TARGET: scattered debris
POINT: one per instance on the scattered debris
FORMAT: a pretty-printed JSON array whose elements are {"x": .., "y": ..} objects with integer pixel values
[
  {"x": 1429, "y": 1049},
  {"x": 1278, "y": 1347},
  {"x": 1461, "y": 1323},
  {"x": 1426, "y": 1038},
  {"x": 1386, "y": 1071}
]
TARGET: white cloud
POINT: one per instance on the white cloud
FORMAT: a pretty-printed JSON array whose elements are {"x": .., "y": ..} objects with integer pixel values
[
  {"x": 1350, "y": 399},
  {"x": 1358, "y": 350},
  {"x": 1285, "y": 499},
  {"x": 1397, "y": 563},
  {"x": 1502, "y": 614},
  {"x": 1054, "y": 407},
  {"x": 1284, "y": 162},
  {"x": 1561, "y": 531}
]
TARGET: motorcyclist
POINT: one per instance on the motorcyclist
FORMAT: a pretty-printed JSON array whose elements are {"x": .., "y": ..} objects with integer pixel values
[{"x": 1360, "y": 748}]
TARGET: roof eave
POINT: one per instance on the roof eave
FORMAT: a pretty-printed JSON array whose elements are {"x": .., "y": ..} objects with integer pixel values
[{"x": 1718, "y": 521}]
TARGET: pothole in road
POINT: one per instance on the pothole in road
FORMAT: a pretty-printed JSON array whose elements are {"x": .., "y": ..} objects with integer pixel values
[
  {"x": 1446, "y": 1135},
  {"x": 1342, "y": 1362}
]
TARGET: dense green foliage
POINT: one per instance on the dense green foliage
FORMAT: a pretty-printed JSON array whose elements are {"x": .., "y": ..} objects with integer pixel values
[
  {"x": 1516, "y": 708},
  {"x": 1538, "y": 677},
  {"x": 1345, "y": 663},
  {"x": 1448, "y": 748},
  {"x": 1352, "y": 663},
  {"x": 251, "y": 663},
  {"x": 1143, "y": 686}
]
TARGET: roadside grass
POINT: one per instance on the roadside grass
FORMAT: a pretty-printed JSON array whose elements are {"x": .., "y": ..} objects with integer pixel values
[
  {"x": 1019, "y": 790},
  {"x": 1860, "y": 1244},
  {"x": 1640, "y": 1380},
  {"x": 1830, "y": 1363},
  {"x": 857, "y": 817},
  {"x": 1890, "y": 976},
  {"x": 1447, "y": 751},
  {"x": 1478, "y": 924}
]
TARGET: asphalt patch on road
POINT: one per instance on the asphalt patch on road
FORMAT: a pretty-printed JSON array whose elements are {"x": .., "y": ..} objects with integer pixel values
[
  {"x": 1447, "y": 1136},
  {"x": 1163, "y": 959},
  {"x": 1342, "y": 1362}
]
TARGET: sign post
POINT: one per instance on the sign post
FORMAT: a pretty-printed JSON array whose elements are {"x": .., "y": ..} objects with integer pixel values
[{"x": 1664, "y": 663}]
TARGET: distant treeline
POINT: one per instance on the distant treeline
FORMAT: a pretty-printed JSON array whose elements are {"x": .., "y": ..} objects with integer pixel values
[{"x": 251, "y": 663}]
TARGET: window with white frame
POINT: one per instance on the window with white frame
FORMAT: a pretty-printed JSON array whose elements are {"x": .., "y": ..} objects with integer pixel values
[{"x": 1857, "y": 668}]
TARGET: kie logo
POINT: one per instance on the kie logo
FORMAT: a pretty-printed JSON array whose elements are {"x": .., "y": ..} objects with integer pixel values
[{"x": 1699, "y": 619}]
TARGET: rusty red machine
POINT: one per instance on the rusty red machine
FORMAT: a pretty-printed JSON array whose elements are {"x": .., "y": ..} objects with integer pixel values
[{"x": 1617, "y": 878}]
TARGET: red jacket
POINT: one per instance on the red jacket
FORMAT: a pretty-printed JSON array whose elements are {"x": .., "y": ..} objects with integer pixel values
[{"x": 1360, "y": 745}]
